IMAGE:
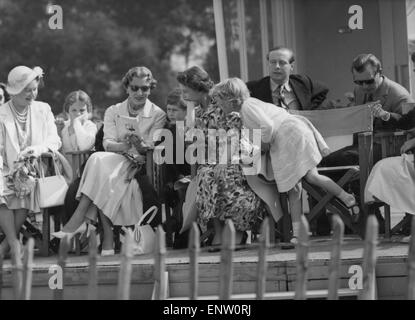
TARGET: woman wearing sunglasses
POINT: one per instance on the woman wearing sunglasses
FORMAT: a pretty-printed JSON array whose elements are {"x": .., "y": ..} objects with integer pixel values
[{"x": 107, "y": 181}]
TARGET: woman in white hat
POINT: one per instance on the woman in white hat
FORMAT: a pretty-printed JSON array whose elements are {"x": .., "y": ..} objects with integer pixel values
[{"x": 27, "y": 127}]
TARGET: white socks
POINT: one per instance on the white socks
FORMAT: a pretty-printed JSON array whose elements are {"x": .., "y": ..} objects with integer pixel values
[{"x": 296, "y": 229}]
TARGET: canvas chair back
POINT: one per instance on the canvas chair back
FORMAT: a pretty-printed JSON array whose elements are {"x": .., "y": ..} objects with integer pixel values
[{"x": 337, "y": 126}]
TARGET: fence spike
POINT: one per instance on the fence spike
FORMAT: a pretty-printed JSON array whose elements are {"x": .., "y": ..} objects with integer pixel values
[
  {"x": 17, "y": 270},
  {"x": 160, "y": 285},
  {"x": 27, "y": 269},
  {"x": 63, "y": 254},
  {"x": 93, "y": 273},
  {"x": 335, "y": 257},
  {"x": 369, "y": 260},
  {"x": 124, "y": 276},
  {"x": 411, "y": 264},
  {"x": 194, "y": 249},
  {"x": 226, "y": 270},
  {"x": 264, "y": 244},
  {"x": 302, "y": 260}
]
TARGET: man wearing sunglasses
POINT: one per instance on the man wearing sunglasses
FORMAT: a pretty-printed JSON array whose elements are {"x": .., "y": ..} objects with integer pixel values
[
  {"x": 388, "y": 98},
  {"x": 373, "y": 86}
]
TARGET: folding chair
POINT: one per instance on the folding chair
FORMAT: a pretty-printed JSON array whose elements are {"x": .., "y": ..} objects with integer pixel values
[
  {"x": 334, "y": 123},
  {"x": 77, "y": 159}
]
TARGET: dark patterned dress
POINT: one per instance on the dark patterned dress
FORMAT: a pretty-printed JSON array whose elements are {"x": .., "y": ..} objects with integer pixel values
[{"x": 223, "y": 191}]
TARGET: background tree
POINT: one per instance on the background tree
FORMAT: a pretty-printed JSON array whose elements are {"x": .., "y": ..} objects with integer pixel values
[{"x": 100, "y": 41}]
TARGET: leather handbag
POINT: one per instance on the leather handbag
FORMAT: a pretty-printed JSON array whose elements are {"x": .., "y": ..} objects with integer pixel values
[
  {"x": 51, "y": 190},
  {"x": 144, "y": 237}
]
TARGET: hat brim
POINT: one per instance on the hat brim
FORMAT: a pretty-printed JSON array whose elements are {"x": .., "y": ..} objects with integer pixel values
[{"x": 13, "y": 90}]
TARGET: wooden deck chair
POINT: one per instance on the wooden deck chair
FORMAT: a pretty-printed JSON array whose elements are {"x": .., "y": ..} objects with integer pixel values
[
  {"x": 391, "y": 143},
  {"x": 77, "y": 159},
  {"x": 334, "y": 123}
]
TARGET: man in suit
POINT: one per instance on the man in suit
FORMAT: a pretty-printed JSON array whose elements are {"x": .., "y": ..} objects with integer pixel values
[{"x": 286, "y": 90}]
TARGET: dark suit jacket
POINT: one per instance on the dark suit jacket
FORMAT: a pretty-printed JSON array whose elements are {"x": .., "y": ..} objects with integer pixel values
[
  {"x": 310, "y": 94},
  {"x": 407, "y": 122}
]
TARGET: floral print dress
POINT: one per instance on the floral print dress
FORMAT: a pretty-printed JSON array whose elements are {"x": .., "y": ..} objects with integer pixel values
[{"x": 223, "y": 191}]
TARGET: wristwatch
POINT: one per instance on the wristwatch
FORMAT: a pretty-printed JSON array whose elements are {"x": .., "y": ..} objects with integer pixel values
[{"x": 386, "y": 117}]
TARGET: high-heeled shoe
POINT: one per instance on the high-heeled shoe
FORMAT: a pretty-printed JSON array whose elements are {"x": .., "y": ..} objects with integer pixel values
[
  {"x": 354, "y": 209},
  {"x": 61, "y": 234}
]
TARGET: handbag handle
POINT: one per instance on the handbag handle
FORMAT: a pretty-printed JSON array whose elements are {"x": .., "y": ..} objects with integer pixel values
[
  {"x": 153, "y": 211},
  {"x": 56, "y": 167}
]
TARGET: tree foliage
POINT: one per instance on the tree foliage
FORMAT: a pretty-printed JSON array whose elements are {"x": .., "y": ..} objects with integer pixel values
[{"x": 100, "y": 41}]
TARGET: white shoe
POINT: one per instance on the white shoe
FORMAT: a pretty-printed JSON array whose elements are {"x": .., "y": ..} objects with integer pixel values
[
  {"x": 294, "y": 240},
  {"x": 406, "y": 239},
  {"x": 110, "y": 252},
  {"x": 61, "y": 234}
]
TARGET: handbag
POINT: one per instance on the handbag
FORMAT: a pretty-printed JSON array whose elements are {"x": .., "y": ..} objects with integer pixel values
[
  {"x": 51, "y": 191},
  {"x": 144, "y": 237}
]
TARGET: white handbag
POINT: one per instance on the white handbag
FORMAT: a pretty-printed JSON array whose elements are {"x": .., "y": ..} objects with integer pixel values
[
  {"x": 51, "y": 191},
  {"x": 144, "y": 237}
]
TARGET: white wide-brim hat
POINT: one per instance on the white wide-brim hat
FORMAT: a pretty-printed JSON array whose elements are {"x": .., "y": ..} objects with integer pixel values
[{"x": 20, "y": 76}]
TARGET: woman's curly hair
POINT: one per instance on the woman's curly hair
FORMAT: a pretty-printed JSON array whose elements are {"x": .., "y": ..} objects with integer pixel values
[
  {"x": 195, "y": 78},
  {"x": 139, "y": 72}
]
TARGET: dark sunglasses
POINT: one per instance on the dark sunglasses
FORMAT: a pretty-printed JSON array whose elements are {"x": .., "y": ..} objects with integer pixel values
[
  {"x": 362, "y": 82},
  {"x": 143, "y": 88}
]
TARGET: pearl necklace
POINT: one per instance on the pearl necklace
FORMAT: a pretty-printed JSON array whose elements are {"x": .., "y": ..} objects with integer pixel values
[
  {"x": 132, "y": 111},
  {"x": 21, "y": 117}
]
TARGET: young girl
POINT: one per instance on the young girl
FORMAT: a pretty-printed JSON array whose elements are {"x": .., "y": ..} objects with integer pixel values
[
  {"x": 295, "y": 146},
  {"x": 78, "y": 133}
]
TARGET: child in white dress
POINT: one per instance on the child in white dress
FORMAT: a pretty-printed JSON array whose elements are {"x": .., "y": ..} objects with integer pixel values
[
  {"x": 295, "y": 146},
  {"x": 78, "y": 133}
]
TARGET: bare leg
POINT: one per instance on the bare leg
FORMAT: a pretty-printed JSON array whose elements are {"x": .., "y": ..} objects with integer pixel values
[
  {"x": 294, "y": 198},
  {"x": 79, "y": 215},
  {"x": 330, "y": 186},
  {"x": 108, "y": 242},
  {"x": 8, "y": 226},
  {"x": 217, "y": 239},
  {"x": 20, "y": 216}
]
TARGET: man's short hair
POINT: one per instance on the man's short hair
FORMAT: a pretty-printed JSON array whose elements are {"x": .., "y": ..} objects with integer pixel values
[
  {"x": 366, "y": 59},
  {"x": 292, "y": 58},
  {"x": 175, "y": 98}
]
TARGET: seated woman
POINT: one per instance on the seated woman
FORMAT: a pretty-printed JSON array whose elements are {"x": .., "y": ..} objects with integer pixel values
[
  {"x": 107, "y": 180},
  {"x": 392, "y": 180},
  {"x": 222, "y": 191},
  {"x": 78, "y": 133},
  {"x": 295, "y": 146},
  {"x": 27, "y": 129}
]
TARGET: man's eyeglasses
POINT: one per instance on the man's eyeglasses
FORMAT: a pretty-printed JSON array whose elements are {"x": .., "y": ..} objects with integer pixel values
[
  {"x": 143, "y": 88},
  {"x": 362, "y": 82}
]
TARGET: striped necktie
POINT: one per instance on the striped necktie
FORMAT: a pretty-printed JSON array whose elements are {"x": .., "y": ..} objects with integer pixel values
[{"x": 278, "y": 97}]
